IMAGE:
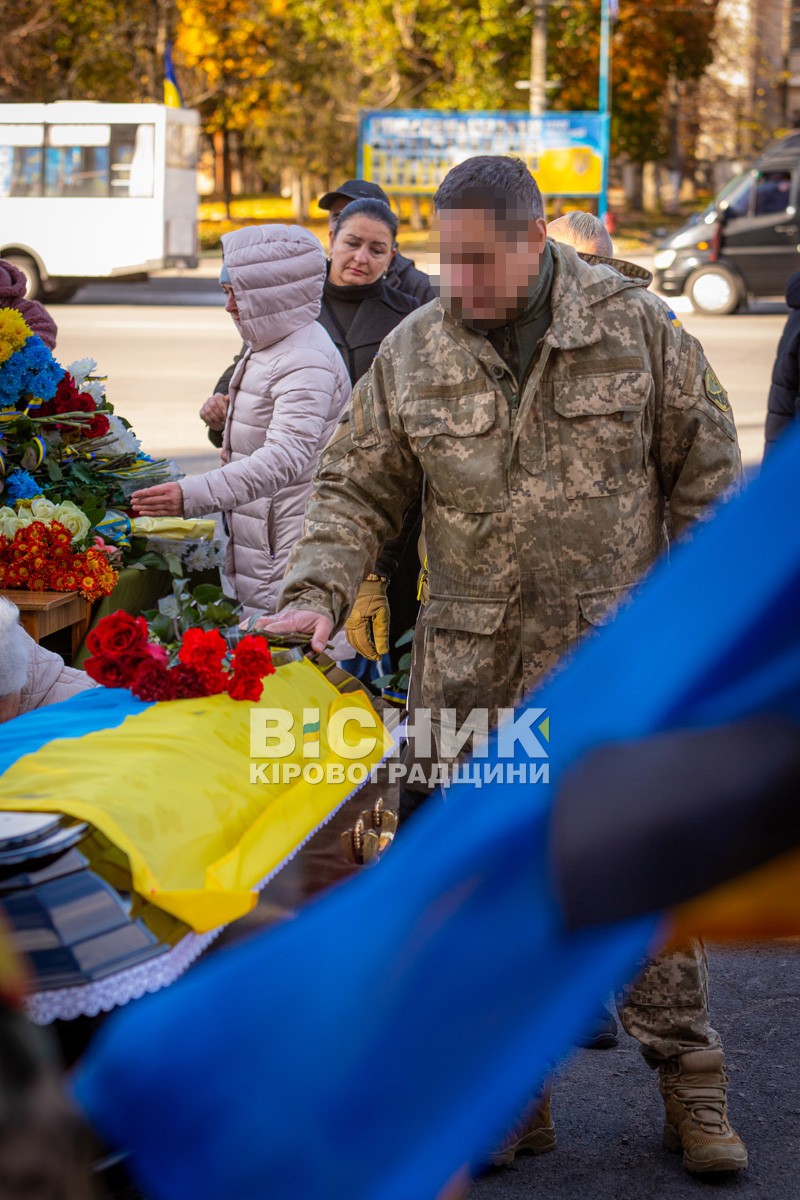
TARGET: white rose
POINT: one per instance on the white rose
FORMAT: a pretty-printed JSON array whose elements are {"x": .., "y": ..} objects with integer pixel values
[
  {"x": 42, "y": 509},
  {"x": 71, "y": 517},
  {"x": 9, "y": 522}
]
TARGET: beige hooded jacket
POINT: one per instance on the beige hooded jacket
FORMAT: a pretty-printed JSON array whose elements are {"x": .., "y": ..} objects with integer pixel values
[{"x": 286, "y": 396}]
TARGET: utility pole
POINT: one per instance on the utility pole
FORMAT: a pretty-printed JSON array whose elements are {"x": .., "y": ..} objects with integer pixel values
[
  {"x": 608, "y": 9},
  {"x": 538, "y": 93}
]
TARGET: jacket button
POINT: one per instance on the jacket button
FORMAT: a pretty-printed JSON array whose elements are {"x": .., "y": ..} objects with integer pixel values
[{"x": 496, "y": 371}]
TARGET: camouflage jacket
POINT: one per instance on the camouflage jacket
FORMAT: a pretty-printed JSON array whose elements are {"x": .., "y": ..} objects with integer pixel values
[{"x": 541, "y": 508}]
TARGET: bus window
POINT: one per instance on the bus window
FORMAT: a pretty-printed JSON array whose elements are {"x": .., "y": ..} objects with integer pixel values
[
  {"x": 132, "y": 160},
  {"x": 21, "y": 160}
]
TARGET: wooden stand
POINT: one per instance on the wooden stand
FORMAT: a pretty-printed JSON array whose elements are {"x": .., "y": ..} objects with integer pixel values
[{"x": 42, "y": 613}]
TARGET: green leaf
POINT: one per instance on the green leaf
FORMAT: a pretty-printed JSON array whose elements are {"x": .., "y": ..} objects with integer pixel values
[
  {"x": 153, "y": 560},
  {"x": 406, "y": 638},
  {"x": 168, "y": 606},
  {"x": 207, "y": 593},
  {"x": 162, "y": 627},
  {"x": 54, "y": 470},
  {"x": 174, "y": 564},
  {"x": 405, "y": 662}
]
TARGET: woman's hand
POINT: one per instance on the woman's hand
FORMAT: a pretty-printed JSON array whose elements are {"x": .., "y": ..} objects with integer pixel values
[
  {"x": 215, "y": 411},
  {"x": 163, "y": 500}
]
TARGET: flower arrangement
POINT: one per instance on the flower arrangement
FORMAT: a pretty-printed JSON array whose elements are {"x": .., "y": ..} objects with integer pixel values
[
  {"x": 39, "y": 556},
  {"x": 59, "y": 436},
  {"x": 199, "y": 664}
]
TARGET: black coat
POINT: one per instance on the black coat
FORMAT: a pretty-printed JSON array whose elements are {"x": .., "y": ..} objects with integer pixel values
[
  {"x": 357, "y": 327},
  {"x": 405, "y": 277},
  {"x": 783, "y": 406}
]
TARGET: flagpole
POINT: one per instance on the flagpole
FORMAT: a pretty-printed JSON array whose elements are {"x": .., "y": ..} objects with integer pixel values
[{"x": 604, "y": 104}]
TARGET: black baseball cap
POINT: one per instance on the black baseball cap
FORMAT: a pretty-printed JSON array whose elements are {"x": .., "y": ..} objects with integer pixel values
[{"x": 354, "y": 189}]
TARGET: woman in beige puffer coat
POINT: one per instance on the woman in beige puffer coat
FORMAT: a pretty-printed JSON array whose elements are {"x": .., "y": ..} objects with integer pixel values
[
  {"x": 286, "y": 396},
  {"x": 30, "y": 675}
]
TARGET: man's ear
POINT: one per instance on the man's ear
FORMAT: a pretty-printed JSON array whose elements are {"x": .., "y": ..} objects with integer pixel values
[{"x": 537, "y": 235}]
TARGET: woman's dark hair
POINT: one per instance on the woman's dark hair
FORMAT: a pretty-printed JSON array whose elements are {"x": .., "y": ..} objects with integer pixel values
[{"x": 367, "y": 207}]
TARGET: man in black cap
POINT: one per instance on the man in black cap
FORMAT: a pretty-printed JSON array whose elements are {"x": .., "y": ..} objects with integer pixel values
[{"x": 402, "y": 275}]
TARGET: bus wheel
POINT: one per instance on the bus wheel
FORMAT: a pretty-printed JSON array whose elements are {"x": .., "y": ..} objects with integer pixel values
[
  {"x": 714, "y": 290},
  {"x": 60, "y": 295},
  {"x": 30, "y": 271}
]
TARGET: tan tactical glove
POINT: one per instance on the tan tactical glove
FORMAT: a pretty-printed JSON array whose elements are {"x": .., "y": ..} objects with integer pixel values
[{"x": 367, "y": 627}]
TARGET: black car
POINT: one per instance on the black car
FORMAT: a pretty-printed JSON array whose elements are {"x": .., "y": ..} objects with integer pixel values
[{"x": 746, "y": 243}]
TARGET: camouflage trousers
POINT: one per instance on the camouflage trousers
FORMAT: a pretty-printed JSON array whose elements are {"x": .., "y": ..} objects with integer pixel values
[{"x": 666, "y": 1008}]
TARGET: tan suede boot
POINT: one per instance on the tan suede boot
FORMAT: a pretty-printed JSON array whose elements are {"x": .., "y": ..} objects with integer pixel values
[
  {"x": 694, "y": 1086},
  {"x": 534, "y": 1134}
]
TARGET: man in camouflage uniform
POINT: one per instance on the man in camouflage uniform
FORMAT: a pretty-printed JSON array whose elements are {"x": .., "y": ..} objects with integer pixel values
[{"x": 561, "y": 422}]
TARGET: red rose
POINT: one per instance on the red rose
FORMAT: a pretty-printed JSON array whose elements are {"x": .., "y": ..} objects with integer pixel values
[
  {"x": 98, "y": 426},
  {"x": 118, "y": 635},
  {"x": 112, "y": 672},
  {"x": 187, "y": 684}
]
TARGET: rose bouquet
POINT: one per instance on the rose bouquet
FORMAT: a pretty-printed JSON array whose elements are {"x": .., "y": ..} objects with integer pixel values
[{"x": 198, "y": 664}]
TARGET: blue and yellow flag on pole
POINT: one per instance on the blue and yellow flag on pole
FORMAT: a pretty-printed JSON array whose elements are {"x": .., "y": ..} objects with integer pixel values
[{"x": 172, "y": 93}]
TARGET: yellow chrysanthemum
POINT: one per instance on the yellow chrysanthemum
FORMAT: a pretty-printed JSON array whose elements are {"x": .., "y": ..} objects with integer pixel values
[{"x": 14, "y": 332}]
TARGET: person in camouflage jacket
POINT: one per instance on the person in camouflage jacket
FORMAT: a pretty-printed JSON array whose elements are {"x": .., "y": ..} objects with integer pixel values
[{"x": 564, "y": 426}]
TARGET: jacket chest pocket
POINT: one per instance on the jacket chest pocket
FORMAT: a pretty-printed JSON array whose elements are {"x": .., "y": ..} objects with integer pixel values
[
  {"x": 601, "y": 433},
  {"x": 460, "y": 448}
]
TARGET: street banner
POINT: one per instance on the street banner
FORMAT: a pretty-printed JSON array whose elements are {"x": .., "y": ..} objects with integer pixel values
[{"x": 408, "y": 152}]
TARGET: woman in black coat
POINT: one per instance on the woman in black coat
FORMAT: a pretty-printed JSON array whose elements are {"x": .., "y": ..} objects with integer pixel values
[
  {"x": 359, "y": 307},
  {"x": 783, "y": 407}
]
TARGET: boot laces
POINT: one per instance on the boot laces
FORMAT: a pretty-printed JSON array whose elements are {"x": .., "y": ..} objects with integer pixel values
[{"x": 705, "y": 1104}]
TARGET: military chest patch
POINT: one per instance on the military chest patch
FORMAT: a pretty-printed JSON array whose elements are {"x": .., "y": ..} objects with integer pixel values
[{"x": 716, "y": 392}]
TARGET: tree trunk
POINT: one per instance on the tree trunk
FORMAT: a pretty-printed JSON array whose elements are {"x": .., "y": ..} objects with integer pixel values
[
  {"x": 650, "y": 197},
  {"x": 632, "y": 185},
  {"x": 227, "y": 189}
]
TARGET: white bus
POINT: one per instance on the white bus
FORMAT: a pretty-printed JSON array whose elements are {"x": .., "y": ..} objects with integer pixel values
[{"x": 94, "y": 191}]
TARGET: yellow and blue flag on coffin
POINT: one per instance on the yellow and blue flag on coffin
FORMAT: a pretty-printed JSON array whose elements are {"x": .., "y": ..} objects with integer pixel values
[
  {"x": 453, "y": 960},
  {"x": 172, "y": 785},
  {"x": 172, "y": 93}
]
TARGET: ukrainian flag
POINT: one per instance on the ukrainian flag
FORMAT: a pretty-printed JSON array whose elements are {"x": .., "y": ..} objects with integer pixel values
[{"x": 172, "y": 93}]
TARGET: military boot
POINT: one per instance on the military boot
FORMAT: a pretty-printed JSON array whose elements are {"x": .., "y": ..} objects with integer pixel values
[
  {"x": 694, "y": 1086},
  {"x": 534, "y": 1134}
]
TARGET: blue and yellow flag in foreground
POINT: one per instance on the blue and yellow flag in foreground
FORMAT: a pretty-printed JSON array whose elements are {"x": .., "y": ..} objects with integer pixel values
[
  {"x": 172, "y": 93},
  {"x": 399, "y": 1025}
]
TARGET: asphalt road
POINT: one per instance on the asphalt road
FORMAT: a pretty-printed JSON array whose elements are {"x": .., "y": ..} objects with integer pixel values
[
  {"x": 608, "y": 1112},
  {"x": 164, "y": 343}
]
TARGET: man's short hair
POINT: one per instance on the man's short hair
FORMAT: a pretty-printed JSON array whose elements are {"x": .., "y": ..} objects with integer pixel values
[
  {"x": 584, "y": 231},
  {"x": 491, "y": 181}
]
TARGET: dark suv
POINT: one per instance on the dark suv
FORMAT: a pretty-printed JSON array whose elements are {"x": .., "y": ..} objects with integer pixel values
[{"x": 746, "y": 243}]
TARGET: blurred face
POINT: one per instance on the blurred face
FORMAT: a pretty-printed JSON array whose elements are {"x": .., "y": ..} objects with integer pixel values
[
  {"x": 333, "y": 213},
  {"x": 361, "y": 251},
  {"x": 488, "y": 264},
  {"x": 230, "y": 301}
]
